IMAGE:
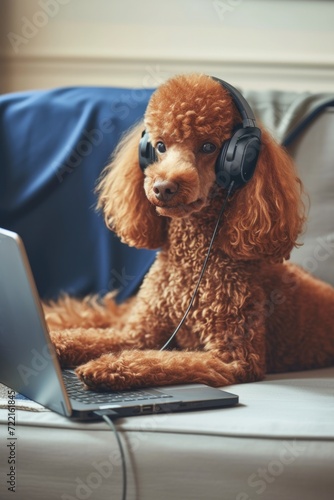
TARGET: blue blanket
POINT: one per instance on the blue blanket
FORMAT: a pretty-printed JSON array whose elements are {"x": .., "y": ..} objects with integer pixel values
[{"x": 53, "y": 147}]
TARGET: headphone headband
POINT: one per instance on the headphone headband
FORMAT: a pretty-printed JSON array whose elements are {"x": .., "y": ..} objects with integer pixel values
[
  {"x": 247, "y": 115},
  {"x": 238, "y": 156}
]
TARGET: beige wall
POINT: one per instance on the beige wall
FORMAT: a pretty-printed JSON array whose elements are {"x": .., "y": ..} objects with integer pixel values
[{"x": 256, "y": 44}]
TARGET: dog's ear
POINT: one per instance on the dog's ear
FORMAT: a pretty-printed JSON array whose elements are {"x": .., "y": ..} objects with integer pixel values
[
  {"x": 122, "y": 197},
  {"x": 266, "y": 216}
]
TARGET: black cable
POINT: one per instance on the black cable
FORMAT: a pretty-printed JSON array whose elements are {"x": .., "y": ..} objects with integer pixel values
[
  {"x": 214, "y": 234},
  {"x": 111, "y": 424}
]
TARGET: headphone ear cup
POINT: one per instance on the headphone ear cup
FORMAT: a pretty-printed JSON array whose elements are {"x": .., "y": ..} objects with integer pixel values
[
  {"x": 246, "y": 158},
  {"x": 222, "y": 178},
  {"x": 238, "y": 157},
  {"x": 146, "y": 152}
]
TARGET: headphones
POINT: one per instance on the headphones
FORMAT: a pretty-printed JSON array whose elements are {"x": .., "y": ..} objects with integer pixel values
[{"x": 238, "y": 156}]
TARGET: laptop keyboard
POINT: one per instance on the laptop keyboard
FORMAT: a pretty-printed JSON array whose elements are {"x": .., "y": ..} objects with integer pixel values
[{"x": 76, "y": 390}]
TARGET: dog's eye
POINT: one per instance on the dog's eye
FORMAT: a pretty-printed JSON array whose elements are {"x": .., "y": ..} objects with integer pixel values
[
  {"x": 208, "y": 147},
  {"x": 160, "y": 147}
]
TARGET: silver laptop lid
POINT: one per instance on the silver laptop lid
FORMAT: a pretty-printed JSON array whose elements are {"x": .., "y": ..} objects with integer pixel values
[{"x": 28, "y": 362}]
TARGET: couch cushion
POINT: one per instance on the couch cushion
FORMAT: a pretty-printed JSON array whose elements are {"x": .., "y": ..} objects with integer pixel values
[
  {"x": 304, "y": 123},
  {"x": 282, "y": 427},
  {"x": 313, "y": 151},
  {"x": 283, "y": 405}
]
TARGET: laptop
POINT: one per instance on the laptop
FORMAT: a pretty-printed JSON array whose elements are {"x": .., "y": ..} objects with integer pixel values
[{"x": 29, "y": 364}]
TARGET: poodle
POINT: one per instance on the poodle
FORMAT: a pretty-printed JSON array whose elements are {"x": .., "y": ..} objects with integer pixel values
[{"x": 253, "y": 313}]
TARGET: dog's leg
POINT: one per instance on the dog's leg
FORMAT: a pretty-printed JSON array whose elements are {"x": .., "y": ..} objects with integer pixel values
[
  {"x": 236, "y": 353},
  {"x": 78, "y": 345},
  {"x": 133, "y": 369}
]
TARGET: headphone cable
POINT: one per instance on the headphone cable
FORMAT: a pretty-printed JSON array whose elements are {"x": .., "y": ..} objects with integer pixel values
[
  {"x": 111, "y": 424},
  {"x": 214, "y": 234}
]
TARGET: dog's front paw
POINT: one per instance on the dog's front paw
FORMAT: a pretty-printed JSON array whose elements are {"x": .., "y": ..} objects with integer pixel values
[
  {"x": 108, "y": 372},
  {"x": 68, "y": 349}
]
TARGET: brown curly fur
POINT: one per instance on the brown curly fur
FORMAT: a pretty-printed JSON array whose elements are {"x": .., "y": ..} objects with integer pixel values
[{"x": 253, "y": 313}]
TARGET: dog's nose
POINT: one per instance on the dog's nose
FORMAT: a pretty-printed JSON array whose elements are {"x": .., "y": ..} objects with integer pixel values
[{"x": 165, "y": 190}]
